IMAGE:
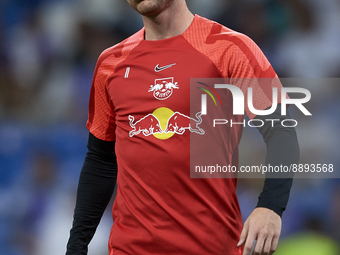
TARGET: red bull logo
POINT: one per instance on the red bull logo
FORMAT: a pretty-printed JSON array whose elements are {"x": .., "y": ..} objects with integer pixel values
[
  {"x": 179, "y": 122},
  {"x": 163, "y": 123},
  {"x": 163, "y": 88},
  {"x": 148, "y": 125}
]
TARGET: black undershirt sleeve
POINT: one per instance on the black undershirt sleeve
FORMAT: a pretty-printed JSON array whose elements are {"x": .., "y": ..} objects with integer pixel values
[
  {"x": 282, "y": 149},
  {"x": 96, "y": 184}
]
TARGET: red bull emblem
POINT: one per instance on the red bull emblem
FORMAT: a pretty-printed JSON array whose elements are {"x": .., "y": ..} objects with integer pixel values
[
  {"x": 163, "y": 88},
  {"x": 148, "y": 125},
  {"x": 164, "y": 123},
  {"x": 179, "y": 122}
]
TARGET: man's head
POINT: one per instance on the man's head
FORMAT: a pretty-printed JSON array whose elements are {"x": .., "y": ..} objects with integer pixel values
[{"x": 150, "y": 7}]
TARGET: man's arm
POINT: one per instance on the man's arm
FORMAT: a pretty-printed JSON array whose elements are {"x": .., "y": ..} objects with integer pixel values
[
  {"x": 264, "y": 224},
  {"x": 96, "y": 184}
]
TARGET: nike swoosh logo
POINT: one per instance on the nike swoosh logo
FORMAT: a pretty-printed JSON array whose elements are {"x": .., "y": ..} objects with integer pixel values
[{"x": 158, "y": 68}]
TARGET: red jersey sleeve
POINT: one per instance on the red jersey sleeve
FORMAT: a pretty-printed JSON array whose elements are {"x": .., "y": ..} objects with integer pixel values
[
  {"x": 238, "y": 59},
  {"x": 249, "y": 68},
  {"x": 101, "y": 116}
]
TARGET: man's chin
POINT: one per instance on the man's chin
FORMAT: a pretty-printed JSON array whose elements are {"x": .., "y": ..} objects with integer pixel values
[
  {"x": 147, "y": 11},
  {"x": 150, "y": 8}
]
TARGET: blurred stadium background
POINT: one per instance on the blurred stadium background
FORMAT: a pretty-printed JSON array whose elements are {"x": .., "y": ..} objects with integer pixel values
[{"x": 48, "y": 51}]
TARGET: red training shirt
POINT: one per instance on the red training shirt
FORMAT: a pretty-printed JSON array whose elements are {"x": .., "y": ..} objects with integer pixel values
[{"x": 139, "y": 94}]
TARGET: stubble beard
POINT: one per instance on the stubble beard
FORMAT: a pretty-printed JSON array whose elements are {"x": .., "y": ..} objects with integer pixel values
[{"x": 150, "y": 7}]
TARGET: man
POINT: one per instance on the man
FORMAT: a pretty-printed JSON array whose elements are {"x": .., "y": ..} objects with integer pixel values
[{"x": 158, "y": 208}]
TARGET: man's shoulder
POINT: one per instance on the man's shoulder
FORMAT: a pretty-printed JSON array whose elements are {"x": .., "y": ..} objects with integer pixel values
[
  {"x": 120, "y": 51},
  {"x": 228, "y": 49},
  {"x": 217, "y": 33}
]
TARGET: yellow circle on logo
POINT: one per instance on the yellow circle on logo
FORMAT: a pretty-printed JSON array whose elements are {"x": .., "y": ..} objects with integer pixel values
[{"x": 163, "y": 114}]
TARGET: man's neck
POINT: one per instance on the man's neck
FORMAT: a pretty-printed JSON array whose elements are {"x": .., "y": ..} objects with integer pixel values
[{"x": 171, "y": 22}]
